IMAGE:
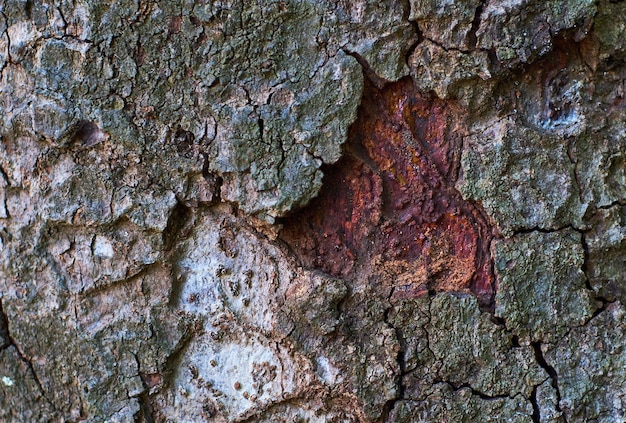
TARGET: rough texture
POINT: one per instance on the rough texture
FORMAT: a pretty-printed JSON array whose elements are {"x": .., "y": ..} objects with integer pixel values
[
  {"x": 524, "y": 179},
  {"x": 226, "y": 89},
  {"x": 606, "y": 244},
  {"x": 390, "y": 208},
  {"x": 592, "y": 390},
  {"x": 298, "y": 210},
  {"x": 541, "y": 292},
  {"x": 447, "y": 404},
  {"x": 448, "y": 333}
]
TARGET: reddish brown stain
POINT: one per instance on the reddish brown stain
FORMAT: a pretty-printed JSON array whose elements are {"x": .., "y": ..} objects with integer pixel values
[
  {"x": 175, "y": 24},
  {"x": 389, "y": 208}
]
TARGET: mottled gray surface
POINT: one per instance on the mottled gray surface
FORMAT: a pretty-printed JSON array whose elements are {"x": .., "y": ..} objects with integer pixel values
[
  {"x": 523, "y": 178},
  {"x": 590, "y": 362},
  {"x": 542, "y": 293},
  {"x": 606, "y": 243},
  {"x": 148, "y": 151},
  {"x": 262, "y": 93},
  {"x": 448, "y": 404}
]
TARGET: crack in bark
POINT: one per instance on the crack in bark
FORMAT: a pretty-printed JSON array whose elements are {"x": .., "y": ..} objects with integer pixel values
[
  {"x": 102, "y": 288},
  {"x": 173, "y": 360},
  {"x": 459, "y": 50},
  {"x": 554, "y": 378},
  {"x": 146, "y": 411},
  {"x": 536, "y": 416},
  {"x": 400, "y": 388},
  {"x": 179, "y": 224},
  {"x": 526, "y": 231},
  {"x": 368, "y": 72},
  {"x": 585, "y": 266},
  {"x": 616, "y": 203},
  {"x": 416, "y": 28},
  {"x": 11, "y": 342},
  {"x": 6, "y": 32},
  {"x": 574, "y": 163},
  {"x": 471, "y": 37},
  {"x": 4, "y": 174},
  {"x": 475, "y": 391},
  {"x": 4, "y": 329}
]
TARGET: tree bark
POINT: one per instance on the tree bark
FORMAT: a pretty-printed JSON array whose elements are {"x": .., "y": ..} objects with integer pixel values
[{"x": 313, "y": 211}]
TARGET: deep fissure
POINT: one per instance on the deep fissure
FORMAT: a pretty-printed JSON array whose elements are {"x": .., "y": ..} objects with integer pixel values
[{"x": 554, "y": 377}]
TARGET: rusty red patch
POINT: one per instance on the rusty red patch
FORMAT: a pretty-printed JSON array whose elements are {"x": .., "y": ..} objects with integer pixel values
[{"x": 389, "y": 208}]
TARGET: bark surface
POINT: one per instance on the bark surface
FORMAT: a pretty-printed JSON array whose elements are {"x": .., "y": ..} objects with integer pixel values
[{"x": 299, "y": 210}]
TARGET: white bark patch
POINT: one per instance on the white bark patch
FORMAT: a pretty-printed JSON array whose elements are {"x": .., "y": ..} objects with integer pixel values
[
  {"x": 21, "y": 33},
  {"x": 61, "y": 172},
  {"x": 326, "y": 371},
  {"x": 103, "y": 247}
]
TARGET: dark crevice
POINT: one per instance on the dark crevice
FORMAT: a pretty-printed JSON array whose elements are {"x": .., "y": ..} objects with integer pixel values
[
  {"x": 283, "y": 155},
  {"x": 418, "y": 41},
  {"x": 593, "y": 210},
  {"x": 514, "y": 338},
  {"x": 451, "y": 49},
  {"x": 604, "y": 303},
  {"x": 474, "y": 391},
  {"x": 178, "y": 225},
  {"x": 574, "y": 163},
  {"x": 525, "y": 231},
  {"x": 515, "y": 341},
  {"x": 477, "y": 393},
  {"x": 5, "y": 340},
  {"x": 62, "y": 16},
  {"x": 9, "y": 58},
  {"x": 368, "y": 72},
  {"x": 616, "y": 203},
  {"x": 554, "y": 377},
  {"x": 471, "y": 37},
  {"x": 416, "y": 29},
  {"x": 4, "y": 174},
  {"x": 144, "y": 415},
  {"x": 536, "y": 416},
  {"x": 146, "y": 411},
  {"x": 261, "y": 125},
  {"x": 339, "y": 305},
  {"x": 498, "y": 320},
  {"x": 472, "y": 40},
  {"x": 35, "y": 377},
  {"x": 172, "y": 363},
  {"x": 406, "y": 10},
  {"x": 86, "y": 134},
  {"x": 28, "y": 9},
  {"x": 205, "y": 166},
  {"x": 214, "y": 180}
]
